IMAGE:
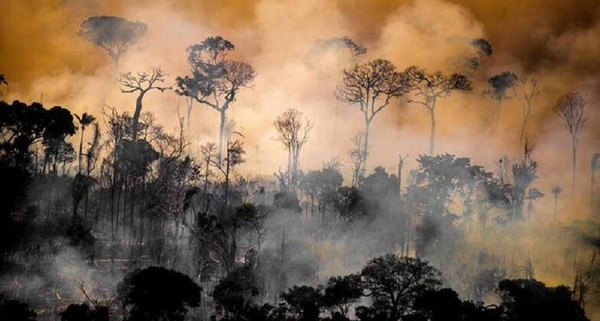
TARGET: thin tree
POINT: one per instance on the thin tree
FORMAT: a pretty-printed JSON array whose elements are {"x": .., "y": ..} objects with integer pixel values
[
  {"x": 556, "y": 190},
  {"x": 357, "y": 155},
  {"x": 215, "y": 80},
  {"x": 525, "y": 90},
  {"x": 293, "y": 132},
  {"x": 498, "y": 87},
  {"x": 142, "y": 83},
  {"x": 428, "y": 88},
  {"x": 113, "y": 34},
  {"x": 84, "y": 120},
  {"x": 571, "y": 109},
  {"x": 371, "y": 86}
]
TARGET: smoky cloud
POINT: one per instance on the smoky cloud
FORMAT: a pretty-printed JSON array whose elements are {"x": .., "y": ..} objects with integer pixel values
[{"x": 554, "y": 42}]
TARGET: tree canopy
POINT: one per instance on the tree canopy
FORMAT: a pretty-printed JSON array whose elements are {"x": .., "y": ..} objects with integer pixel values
[
  {"x": 113, "y": 34},
  {"x": 156, "y": 293},
  {"x": 396, "y": 282}
]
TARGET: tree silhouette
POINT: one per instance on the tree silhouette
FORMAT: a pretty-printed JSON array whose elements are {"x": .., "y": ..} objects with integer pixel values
[
  {"x": 113, "y": 34},
  {"x": 499, "y": 85},
  {"x": 293, "y": 133},
  {"x": 556, "y": 190},
  {"x": 525, "y": 90},
  {"x": 22, "y": 125},
  {"x": 358, "y": 155},
  {"x": 82, "y": 312},
  {"x": 321, "y": 187},
  {"x": 341, "y": 292},
  {"x": 84, "y": 120},
  {"x": 533, "y": 300},
  {"x": 524, "y": 173},
  {"x": 13, "y": 310},
  {"x": 371, "y": 86},
  {"x": 428, "y": 88},
  {"x": 396, "y": 282},
  {"x": 305, "y": 301},
  {"x": 142, "y": 83},
  {"x": 482, "y": 49},
  {"x": 571, "y": 109},
  {"x": 237, "y": 292},
  {"x": 215, "y": 80},
  {"x": 156, "y": 293}
]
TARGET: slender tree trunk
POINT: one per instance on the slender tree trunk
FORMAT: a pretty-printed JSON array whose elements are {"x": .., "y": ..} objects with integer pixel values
[
  {"x": 294, "y": 178},
  {"x": 526, "y": 115},
  {"x": 136, "y": 114},
  {"x": 190, "y": 102},
  {"x": 221, "y": 134},
  {"x": 574, "y": 169},
  {"x": 432, "y": 133},
  {"x": 366, "y": 144},
  {"x": 497, "y": 114},
  {"x": 592, "y": 191},
  {"x": 555, "y": 204},
  {"x": 290, "y": 169},
  {"x": 81, "y": 149}
]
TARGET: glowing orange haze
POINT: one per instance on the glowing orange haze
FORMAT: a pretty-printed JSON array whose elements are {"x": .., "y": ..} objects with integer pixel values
[{"x": 557, "y": 43}]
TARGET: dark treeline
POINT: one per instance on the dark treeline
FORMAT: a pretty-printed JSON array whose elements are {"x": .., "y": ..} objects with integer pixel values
[{"x": 131, "y": 226}]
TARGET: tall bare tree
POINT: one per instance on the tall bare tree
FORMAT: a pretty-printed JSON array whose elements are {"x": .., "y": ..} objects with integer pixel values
[
  {"x": 141, "y": 83},
  {"x": 570, "y": 108},
  {"x": 113, "y": 34},
  {"x": 525, "y": 90},
  {"x": 371, "y": 86},
  {"x": 215, "y": 80},
  {"x": 293, "y": 130},
  {"x": 427, "y": 88}
]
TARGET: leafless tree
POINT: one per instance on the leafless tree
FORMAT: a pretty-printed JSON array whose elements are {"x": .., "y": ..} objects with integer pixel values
[
  {"x": 215, "y": 80},
  {"x": 142, "y": 83},
  {"x": 525, "y": 90},
  {"x": 371, "y": 86},
  {"x": 293, "y": 132},
  {"x": 571, "y": 109},
  {"x": 427, "y": 88}
]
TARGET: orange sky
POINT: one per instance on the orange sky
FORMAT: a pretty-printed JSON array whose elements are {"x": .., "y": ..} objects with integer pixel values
[{"x": 556, "y": 42}]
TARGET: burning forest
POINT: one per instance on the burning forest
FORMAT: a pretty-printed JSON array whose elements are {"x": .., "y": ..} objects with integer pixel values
[{"x": 317, "y": 160}]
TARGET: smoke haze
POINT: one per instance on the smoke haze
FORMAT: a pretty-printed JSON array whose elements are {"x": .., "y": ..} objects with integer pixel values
[{"x": 556, "y": 42}]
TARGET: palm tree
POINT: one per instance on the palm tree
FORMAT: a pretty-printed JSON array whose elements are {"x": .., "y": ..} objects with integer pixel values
[{"x": 85, "y": 120}]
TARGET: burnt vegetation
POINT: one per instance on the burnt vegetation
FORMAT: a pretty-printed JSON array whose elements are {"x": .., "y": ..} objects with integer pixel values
[{"x": 131, "y": 225}]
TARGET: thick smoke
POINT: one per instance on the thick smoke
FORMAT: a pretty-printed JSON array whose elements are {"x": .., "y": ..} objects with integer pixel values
[{"x": 556, "y": 43}]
